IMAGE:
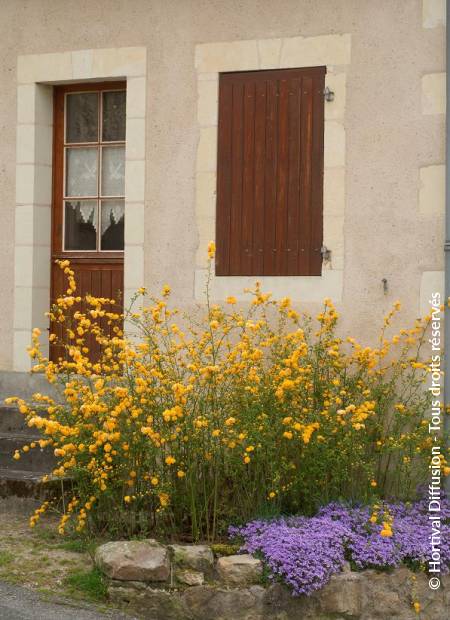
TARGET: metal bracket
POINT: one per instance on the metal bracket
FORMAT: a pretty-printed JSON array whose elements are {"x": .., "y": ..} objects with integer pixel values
[
  {"x": 328, "y": 94},
  {"x": 326, "y": 253}
]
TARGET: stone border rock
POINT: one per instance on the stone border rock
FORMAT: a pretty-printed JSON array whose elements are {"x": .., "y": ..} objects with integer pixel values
[{"x": 186, "y": 582}]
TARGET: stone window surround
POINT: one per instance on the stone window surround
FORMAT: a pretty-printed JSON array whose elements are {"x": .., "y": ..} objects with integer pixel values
[
  {"x": 334, "y": 51},
  {"x": 36, "y": 74}
]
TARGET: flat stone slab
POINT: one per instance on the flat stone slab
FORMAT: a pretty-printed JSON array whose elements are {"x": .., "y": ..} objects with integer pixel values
[
  {"x": 239, "y": 569},
  {"x": 134, "y": 560},
  {"x": 190, "y": 577},
  {"x": 149, "y": 602},
  {"x": 196, "y": 557},
  {"x": 219, "y": 603}
]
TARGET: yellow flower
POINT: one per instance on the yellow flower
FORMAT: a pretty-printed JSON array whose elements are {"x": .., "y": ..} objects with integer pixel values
[
  {"x": 211, "y": 249},
  {"x": 127, "y": 499},
  {"x": 180, "y": 473},
  {"x": 163, "y": 499},
  {"x": 170, "y": 460},
  {"x": 231, "y": 300},
  {"x": 416, "y": 607},
  {"x": 285, "y": 302},
  {"x": 387, "y": 530},
  {"x": 154, "y": 481},
  {"x": 272, "y": 495},
  {"x": 247, "y": 460},
  {"x": 373, "y": 483}
]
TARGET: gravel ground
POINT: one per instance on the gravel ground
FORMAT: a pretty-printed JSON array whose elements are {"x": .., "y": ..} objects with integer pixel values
[{"x": 18, "y": 603}]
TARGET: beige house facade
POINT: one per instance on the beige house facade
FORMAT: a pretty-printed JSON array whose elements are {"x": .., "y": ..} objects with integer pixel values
[{"x": 383, "y": 147}]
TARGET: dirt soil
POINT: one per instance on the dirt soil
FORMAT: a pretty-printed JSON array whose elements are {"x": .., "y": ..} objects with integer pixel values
[
  {"x": 41, "y": 560},
  {"x": 36, "y": 557}
]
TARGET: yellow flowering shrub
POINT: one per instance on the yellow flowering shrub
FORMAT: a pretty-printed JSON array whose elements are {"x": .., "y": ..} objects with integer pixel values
[{"x": 200, "y": 421}]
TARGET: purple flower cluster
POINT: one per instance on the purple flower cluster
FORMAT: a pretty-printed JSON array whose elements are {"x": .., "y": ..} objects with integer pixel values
[{"x": 305, "y": 552}]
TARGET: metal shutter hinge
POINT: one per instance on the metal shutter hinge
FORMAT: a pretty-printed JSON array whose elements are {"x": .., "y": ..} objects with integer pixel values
[{"x": 326, "y": 253}]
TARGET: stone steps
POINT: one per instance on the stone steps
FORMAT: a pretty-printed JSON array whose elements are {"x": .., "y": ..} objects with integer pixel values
[
  {"x": 22, "y": 478},
  {"x": 37, "y": 459},
  {"x": 21, "y": 483},
  {"x": 11, "y": 420}
]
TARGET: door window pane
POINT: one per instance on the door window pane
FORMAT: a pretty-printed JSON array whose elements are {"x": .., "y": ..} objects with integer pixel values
[
  {"x": 113, "y": 126},
  {"x": 112, "y": 224},
  {"x": 82, "y": 117},
  {"x": 94, "y": 171},
  {"x": 81, "y": 171},
  {"x": 80, "y": 225},
  {"x": 113, "y": 171}
]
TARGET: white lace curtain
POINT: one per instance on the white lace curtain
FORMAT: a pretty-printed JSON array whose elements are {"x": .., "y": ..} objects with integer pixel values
[
  {"x": 111, "y": 214},
  {"x": 87, "y": 214}
]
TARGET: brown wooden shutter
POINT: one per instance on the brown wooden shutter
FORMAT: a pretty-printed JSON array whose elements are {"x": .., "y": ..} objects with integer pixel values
[{"x": 270, "y": 172}]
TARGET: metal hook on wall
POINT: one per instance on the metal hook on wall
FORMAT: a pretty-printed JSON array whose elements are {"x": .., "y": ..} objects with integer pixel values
[{"x": 328, "y": 94}]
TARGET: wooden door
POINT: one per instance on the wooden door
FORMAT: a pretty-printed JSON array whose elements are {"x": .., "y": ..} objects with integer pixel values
[{"x": 88, "y": 207}]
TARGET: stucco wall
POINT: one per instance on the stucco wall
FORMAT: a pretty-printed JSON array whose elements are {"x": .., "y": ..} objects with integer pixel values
[{"x": 394, "y": 128}]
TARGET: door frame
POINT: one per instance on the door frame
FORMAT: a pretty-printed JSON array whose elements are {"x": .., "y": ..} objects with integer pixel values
[{"x": 36, "y": 76}]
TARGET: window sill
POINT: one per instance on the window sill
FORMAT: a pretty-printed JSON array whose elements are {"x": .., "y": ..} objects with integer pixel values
[{"x": 306, "y": 289}]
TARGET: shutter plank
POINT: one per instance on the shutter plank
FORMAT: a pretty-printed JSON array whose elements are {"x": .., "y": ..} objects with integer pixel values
[
  {"x": 236, "y": 180},
  {"x": 270, "y": 181},
  {"x": 315, "y": 262},
  {"x": 294, "y": 176},
  {"x": 224, "y": 157},
  {"x": 282, "y": 179},
  {"x": 260, "y": 169},
  {"x": 248, "y": 189},
  {"x": 305, "y": 177}
]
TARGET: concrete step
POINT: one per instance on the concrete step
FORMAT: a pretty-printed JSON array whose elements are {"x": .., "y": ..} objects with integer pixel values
[
  {"x": 22, "y": 483},
  {"x": 24, "y": 384},
  {"x": 23, "y": 478},
  {"x": 36, "y": 460},
  {"x": 12, "y": 421}
]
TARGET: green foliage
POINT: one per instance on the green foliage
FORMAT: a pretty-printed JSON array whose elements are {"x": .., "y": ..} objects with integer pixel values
[
  {"x": 221, "y": 549},
  {"x": 90, "y": 584},
  {"x": 6, "y": 558},
  {"x": 217, "y": 418},
  {"x": 76, "y": 545}
]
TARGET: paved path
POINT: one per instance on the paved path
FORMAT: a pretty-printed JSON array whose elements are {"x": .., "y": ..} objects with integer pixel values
[{"x": 17, "y": 603}]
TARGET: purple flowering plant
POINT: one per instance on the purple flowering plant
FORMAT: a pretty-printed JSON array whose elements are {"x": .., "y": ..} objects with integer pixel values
[{"x": 304, "y": 552}]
